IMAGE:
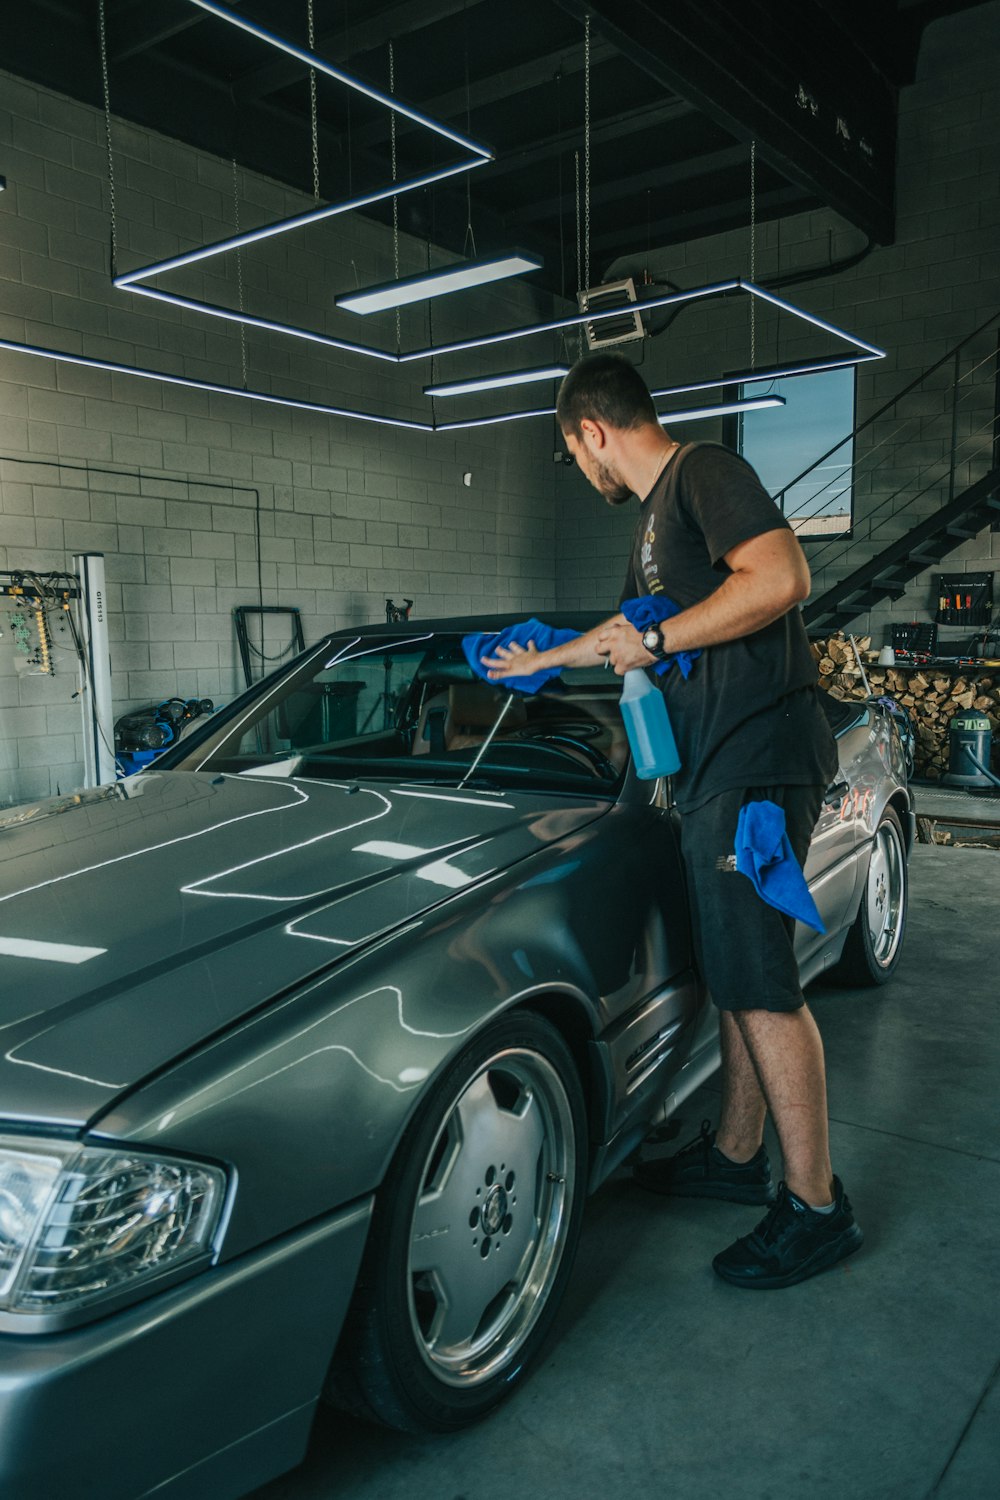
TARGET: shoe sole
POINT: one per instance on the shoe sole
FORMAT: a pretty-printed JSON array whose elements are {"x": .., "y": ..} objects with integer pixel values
[
  {"x": 821, "y": 1260},
  {"x": 731, "y": 1194}
]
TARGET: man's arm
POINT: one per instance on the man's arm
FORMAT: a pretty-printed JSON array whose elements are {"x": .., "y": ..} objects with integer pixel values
[
  {"x": 522, "y": 661},
  {"x": 768, "y": 576}
]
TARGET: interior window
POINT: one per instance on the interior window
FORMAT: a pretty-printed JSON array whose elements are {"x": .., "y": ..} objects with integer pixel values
[{"x": 782, "y": 442}]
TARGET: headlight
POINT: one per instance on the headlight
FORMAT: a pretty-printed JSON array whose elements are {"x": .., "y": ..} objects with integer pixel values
[{"x": 78, "y": 1224}]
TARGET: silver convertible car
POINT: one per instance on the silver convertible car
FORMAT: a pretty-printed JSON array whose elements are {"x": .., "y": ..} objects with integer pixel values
[{"x": 316, "y": 1036}]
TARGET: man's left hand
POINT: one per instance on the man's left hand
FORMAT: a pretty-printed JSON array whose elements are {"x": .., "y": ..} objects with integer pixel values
[{"x": 622, "y": 645}]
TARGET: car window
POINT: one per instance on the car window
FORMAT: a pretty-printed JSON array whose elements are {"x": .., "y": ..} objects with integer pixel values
[{"x": 414, "y": 710}]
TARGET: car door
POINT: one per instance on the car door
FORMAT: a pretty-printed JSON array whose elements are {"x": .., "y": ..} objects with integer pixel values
[{"x": 836, "y": 849}]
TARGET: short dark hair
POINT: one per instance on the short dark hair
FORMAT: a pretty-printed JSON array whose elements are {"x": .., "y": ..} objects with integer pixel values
[{"x": 604, "y": 388}]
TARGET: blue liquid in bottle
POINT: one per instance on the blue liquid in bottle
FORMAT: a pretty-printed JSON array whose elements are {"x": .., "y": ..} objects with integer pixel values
[{"x": 647, "y": 724}]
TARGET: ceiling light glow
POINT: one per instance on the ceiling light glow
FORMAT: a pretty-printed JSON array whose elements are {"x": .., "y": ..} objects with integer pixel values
[
  {"x": 64, "y": 357},
  {"x": 313, "y": 62},
  {"x": 694, "y": 414},
  {"x": 456, "y": 278},
  {"x": 699, "y": 413},
  {"x": 497, "y": 382}
]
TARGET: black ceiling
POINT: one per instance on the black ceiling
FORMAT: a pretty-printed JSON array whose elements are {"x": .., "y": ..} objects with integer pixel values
[{"x": 678, "y": 91}]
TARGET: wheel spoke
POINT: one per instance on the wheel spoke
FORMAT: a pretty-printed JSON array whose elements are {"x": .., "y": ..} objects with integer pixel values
[{"x": 463, "y": 1299}]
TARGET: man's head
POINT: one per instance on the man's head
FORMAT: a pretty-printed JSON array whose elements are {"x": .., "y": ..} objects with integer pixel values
[{"x": 606, "y": 416}]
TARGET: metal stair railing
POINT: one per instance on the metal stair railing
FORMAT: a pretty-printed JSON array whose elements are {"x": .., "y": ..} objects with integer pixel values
[{"x": 941, "y": 432}]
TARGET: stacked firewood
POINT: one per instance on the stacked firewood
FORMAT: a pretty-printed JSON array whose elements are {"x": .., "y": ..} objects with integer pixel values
[{"x": 931, "y": 697}]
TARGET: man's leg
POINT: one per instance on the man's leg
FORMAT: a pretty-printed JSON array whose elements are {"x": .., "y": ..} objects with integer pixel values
[
  {"x": 787, "y": 1055},
  {"x": 741, "y": 1121}
]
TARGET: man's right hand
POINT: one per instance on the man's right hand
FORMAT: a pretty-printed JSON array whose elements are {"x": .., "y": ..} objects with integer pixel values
[{"x": 515, "y": 661}]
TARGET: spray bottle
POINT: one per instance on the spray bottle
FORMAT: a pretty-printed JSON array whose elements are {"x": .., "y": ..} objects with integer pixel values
[{"x": 647, "y": 724}]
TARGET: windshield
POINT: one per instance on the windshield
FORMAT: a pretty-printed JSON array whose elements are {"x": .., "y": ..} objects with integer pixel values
[{"x": 413, "y": 710}]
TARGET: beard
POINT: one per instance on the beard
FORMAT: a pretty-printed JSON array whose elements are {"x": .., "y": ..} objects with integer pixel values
[{"x": 610, "y": 485}]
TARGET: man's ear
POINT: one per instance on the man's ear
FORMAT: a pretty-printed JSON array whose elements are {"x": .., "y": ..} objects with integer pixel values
[{"x": 594, "y": 431}]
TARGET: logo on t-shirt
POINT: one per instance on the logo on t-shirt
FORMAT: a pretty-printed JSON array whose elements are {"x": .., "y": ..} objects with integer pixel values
[{"x": 650, "y": 570}]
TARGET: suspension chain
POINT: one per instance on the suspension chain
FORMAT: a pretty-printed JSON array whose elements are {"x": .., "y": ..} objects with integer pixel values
[
  {"x": 579, "y": 260},
  {"x": 313, "y": 115},
  {"x": 239, "y": 278},
  {"x": 586, "y": 152},
  {"x": 753, "y": 253},
  {"x": 395, "y": 199},
  {"x": 107, "y": 132},
  {"x": 579, "y": 242}
]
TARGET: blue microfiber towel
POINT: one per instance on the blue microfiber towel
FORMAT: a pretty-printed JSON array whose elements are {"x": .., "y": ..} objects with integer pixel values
[
  {"x": 544, "y": 637},
  {"x": 650, "y": 609},
  {"x": 765, "y": 856}
]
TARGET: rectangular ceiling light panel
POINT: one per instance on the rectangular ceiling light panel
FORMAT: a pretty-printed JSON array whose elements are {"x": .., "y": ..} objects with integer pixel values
[
  {"x": 497, "y": 382},
  {"x": 725, "y": 409},
  {"x": 455, "y": 278}
]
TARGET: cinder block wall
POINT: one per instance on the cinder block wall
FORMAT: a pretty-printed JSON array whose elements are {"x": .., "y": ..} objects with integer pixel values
[
  {"x": 176, "y": 486},
  {"x": 916, "y": 298}
]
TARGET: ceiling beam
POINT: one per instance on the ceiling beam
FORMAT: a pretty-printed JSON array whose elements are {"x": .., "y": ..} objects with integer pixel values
[
  {"x": 656, "y": 179},
  {"x": 348, "y": 41},
  {"x": 137, "y": 25},
  {"x": 676, "y": 228},
  {"x": 786, "y": 75},
  {"x": 628, "y": 122},
  {"x": 533, "y": 73}
]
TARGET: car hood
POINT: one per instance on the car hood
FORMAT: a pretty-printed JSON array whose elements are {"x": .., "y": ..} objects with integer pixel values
[{"x": 137, "y": 920}]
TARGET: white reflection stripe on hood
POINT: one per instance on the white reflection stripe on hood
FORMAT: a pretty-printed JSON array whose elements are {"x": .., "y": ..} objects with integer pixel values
[
  {"x": 55, "y": 953},
  {"x": 182, "y": 838},
  {"x": 483, "y": 801}
]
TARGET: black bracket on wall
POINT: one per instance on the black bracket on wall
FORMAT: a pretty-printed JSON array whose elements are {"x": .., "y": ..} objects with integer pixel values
[{"x": 241, "y": 614}]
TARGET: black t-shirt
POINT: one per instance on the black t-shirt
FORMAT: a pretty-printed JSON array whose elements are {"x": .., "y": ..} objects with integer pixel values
[{"x": 748, "y": 715}]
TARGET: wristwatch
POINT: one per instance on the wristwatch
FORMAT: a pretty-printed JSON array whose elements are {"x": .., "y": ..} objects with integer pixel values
[{"x": 652, "y": 640}]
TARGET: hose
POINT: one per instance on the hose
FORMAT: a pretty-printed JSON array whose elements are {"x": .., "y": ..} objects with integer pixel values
[{"x": 980, "y": 767}]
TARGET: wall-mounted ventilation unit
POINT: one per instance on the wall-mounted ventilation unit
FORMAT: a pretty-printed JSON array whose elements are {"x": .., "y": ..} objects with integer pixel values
[{"x": 623, "y": 330}]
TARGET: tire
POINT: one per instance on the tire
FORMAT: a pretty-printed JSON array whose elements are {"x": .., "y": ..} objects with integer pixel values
[
  {"x": 875, "y": 941},
  {"x": 473, "y": 1237}
]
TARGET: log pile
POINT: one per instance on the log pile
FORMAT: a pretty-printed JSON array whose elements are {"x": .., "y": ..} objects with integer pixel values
[{"x": 931, "y": 697}]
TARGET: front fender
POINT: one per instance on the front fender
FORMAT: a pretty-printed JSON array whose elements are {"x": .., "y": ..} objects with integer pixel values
[{"x": 307, "y": 1100}]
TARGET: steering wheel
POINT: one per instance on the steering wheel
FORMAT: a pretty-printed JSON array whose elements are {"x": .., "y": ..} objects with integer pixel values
[{"x": 595, "y": 757}]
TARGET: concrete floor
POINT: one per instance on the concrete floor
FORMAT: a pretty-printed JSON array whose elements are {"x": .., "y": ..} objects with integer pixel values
[{"x": 876, "y": 1381}]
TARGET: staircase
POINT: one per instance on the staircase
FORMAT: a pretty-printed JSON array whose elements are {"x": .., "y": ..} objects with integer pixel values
[{"x": 925, "y": 473}]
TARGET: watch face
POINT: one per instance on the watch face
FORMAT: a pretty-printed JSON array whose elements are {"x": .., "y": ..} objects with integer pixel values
[{"x": 651, "y": 639}]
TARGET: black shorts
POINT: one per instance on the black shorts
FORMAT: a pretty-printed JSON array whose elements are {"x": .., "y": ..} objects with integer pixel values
[{"x": 744, "y": 947}]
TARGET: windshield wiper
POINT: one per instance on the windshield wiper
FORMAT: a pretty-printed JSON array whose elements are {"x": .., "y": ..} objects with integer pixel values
[{"x": 487, "y": 742}]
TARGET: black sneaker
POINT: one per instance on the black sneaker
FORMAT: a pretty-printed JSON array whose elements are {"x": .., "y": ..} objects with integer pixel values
[
  {"x": 792, "y": 1243},
  {"x": 699, "y": 1170}
]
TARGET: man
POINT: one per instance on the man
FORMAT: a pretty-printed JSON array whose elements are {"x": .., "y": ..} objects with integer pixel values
[{"x": 749, "y": 728}]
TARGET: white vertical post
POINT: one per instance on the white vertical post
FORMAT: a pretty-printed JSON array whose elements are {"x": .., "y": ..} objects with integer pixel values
[{"x": 95, "y": 683}]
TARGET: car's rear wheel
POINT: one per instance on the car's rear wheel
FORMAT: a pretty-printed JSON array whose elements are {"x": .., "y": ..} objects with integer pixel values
[
  {"x": 474, "y": 1235},
  {"x": 875, "y": 941}
]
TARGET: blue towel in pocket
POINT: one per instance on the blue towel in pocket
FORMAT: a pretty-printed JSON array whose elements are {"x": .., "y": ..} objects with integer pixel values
[{"x": 764, "y": 855}]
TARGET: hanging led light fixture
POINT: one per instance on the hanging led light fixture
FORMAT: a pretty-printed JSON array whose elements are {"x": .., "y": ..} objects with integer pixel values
[
  {"x": 861, "y": 349},
  {"x": 727, "y": 408},
  {"x": 63, "y": 356},
  {"x": 694, "y": 414},
  {"x": 398, "y": 293},
  {"x": 455, "y": 278},
  {"x": 497, "y": 382},
  {"x": 478, "y": 155}
]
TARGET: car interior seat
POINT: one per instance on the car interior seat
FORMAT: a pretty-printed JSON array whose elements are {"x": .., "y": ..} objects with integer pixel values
[{"x": 461, "y": 718}]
